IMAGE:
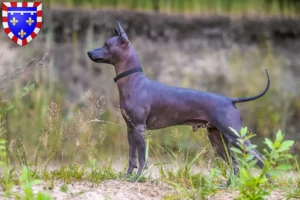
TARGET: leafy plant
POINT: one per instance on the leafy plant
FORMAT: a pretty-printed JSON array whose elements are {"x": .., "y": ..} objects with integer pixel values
[
  {"x": 26, "y": 181},
  {"x": 255, "y": 187}
]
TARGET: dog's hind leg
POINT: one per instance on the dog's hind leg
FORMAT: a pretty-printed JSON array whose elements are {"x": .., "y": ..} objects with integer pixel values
[
  {"x": 259, "y": 159},
  {"x": 232, "y": 138},
  {"x": 132, "y": 150},
  {"x": 222, "y": 147},
  {"x": 256, "y": 154},
  {"x": 232, "y": 119}
]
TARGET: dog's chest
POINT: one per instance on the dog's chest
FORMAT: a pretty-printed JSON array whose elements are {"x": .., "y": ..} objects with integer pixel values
[
  {"x": 132, "y": 110},
  {"x": 126, "y": 107}
]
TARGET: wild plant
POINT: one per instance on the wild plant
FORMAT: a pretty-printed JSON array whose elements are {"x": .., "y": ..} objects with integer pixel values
[
  {"x": 53, "y": 131},
  {"x": 253, "y": 186},
  {"x": 26, "y": 181}
]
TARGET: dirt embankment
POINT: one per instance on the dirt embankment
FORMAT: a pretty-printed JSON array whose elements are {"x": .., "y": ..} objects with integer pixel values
[
  {"x": 175, "y": 27},
  {"x": 164, "y": 43}
]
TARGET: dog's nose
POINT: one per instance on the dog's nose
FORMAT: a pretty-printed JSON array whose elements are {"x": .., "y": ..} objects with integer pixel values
[{"x": 89, "y": 53}]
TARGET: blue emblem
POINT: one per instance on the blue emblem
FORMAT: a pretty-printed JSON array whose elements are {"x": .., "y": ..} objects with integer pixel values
[{"x": 22, "y": 21}]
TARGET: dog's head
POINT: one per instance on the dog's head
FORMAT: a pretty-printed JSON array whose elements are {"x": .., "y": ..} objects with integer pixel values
[{"x": 114, "y": 49}]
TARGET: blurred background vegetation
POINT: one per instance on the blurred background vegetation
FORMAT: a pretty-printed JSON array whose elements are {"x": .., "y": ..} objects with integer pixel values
[
  {"x": 193, "y": 7},
  {"x": 222, "y": 46}
]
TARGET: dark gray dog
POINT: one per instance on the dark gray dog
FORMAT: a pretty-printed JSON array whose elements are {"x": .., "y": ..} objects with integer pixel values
[{"x": 148, "y": 104}]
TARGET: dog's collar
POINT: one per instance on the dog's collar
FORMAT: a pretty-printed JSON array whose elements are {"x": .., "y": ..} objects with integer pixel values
[{"x": 128, "y": 72}]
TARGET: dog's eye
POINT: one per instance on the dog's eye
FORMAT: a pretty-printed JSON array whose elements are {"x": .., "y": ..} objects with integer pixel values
[{"x": 106, "y": 45}]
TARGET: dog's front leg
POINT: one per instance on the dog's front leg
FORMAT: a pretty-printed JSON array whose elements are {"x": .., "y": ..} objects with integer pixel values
[
  {"x": 132, "y": 150},
  {"x": 138, "y": 134}
]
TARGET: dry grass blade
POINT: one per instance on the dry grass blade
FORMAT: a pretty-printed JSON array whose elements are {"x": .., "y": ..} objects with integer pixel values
[{"x": 12, "y": 77}]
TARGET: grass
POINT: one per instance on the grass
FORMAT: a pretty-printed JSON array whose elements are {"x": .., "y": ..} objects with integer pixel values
[
  {"x": 185, "y": 179},
  {"x": 188, "y": 183}
]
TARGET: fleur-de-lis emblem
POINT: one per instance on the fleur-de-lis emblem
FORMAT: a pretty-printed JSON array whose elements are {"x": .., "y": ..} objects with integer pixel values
[
  {"x": 29, "y": 21},
  {"x": 14, "y": 21},
  {"x": 22, "y": 33}
]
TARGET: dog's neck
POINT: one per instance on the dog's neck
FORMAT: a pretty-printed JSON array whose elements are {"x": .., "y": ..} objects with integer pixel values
[
  {"x": 127, "y": 63},
  {"x": 131, "y": 61}
]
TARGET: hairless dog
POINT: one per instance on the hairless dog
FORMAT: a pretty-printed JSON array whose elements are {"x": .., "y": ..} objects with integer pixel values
[{"x": 148, "y": 104}]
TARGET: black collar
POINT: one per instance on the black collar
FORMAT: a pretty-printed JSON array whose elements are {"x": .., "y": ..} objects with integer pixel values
[{"x": 128, "y": 72}]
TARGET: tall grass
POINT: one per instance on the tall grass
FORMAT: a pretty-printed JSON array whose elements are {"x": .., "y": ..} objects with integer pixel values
[{"x": 194, "y": 7}]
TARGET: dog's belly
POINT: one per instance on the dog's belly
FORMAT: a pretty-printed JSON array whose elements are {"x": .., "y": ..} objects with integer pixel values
[
  {"x": 193, "y": 123},
  {"x": 165, "y": 119}
]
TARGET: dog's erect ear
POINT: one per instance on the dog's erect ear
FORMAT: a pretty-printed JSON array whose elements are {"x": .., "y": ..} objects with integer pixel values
[
  {"x": 117, "y": 32},
  {"x": 121, "y": 29},
  {"x": 123, "y": 36},
  {"x": 124, "y": 41}
]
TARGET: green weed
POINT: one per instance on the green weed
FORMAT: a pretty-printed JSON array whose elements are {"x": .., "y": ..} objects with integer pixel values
[
  {"x": 102, "y": 173},
  {"x": 68, "y": 173},
  {"x": 26, "y": 181},
  {"x": 256, "y": 186}
]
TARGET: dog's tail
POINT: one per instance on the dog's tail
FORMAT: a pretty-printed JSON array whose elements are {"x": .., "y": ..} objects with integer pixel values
[{"x": 239, "y": 100}]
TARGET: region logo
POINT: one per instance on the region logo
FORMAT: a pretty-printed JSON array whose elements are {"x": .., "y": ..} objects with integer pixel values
[{"x": 22, "y": 21}]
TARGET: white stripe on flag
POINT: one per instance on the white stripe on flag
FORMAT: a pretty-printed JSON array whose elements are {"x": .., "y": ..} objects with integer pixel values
[
  {"x": 36, "y": 30},
  {"x": 29, "y": 38},
  {"x": 11, "y": 35},
  {"x": 5, "y": 25},
  {"x": 4, "y": 13},
  {"x": 39, "y": 7},
  {"x": 19, "y": 41},
  {"x": 7, "y": 4}
]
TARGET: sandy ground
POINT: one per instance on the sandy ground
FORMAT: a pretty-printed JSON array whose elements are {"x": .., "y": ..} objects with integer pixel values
[
  {"x": 123, "y": 190},
  {"x": 111, "y": 189}
]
